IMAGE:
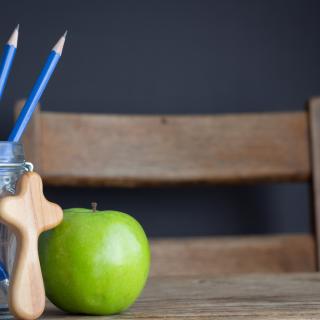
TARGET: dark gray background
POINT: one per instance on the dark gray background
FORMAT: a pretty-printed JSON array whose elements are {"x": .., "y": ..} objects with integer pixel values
[{"x": 174, "y": 57}]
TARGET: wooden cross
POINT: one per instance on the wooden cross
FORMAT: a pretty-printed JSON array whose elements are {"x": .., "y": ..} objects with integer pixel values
[{"x": 28, "y": 213}]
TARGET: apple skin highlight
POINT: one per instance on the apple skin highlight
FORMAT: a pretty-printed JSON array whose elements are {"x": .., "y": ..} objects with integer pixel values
[{"x": 94, "y": 262}]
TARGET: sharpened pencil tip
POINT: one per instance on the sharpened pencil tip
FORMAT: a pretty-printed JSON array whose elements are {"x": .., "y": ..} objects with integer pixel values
[
  {"x": 59, "y": 45},
  {"x": 13, "y": 40},
  {"x": 17, "y": 27},
  {"x": 65, "y": 34}
]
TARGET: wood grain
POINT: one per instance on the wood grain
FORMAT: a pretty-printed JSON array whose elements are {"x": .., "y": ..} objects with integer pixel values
[
  {"x": 28, "y": 213},
  {"x": 233, "y": 255},
  {"x": 120, "y": 150},
  {"x": 268, "y": 297}
]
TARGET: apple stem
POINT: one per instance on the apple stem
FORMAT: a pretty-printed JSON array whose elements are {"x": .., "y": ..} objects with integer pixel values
[{"x": 94, "y": 206}]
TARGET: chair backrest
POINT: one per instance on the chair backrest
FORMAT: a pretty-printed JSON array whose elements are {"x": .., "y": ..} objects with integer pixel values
[{"x": 149, "y": 150}]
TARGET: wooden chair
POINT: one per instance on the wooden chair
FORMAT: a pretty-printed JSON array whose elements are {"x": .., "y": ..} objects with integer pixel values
[{"x": 141, "y": 150}]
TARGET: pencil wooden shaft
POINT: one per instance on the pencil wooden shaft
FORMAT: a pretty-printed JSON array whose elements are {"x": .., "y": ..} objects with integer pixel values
[
  {"x": 6, "y": 63},
  {"x": 34, "y": 97}
]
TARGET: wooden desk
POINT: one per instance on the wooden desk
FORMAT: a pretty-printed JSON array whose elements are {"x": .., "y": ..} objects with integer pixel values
[{"x": 289, "y": 296}]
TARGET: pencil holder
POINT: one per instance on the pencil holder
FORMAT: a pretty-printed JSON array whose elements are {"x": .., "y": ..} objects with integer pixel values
[
  {"x": 12, "y": 166},
  {"x": 24, "y": 214}
]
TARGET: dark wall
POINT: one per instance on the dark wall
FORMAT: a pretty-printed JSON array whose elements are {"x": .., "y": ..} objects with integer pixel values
[{"x": 174, "y": 57}]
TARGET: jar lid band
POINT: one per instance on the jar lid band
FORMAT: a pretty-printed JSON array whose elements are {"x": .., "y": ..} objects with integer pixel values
[{"x": 28, "y": 166}]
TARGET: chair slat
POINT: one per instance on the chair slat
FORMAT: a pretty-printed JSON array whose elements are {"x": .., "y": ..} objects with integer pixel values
[
  {"x": 127, "y": 150},
  {"x": 233, "y": 255}
]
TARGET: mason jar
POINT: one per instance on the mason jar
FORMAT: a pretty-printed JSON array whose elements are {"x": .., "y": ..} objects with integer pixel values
[{"x": 12, "y": 166}]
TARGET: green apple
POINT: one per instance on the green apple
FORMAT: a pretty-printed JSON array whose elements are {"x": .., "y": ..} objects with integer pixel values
[{"x": 94, "y": 262}]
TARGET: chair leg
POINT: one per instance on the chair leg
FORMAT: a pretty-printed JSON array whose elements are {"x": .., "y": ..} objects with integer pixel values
[{"x": 314, "y": 134}]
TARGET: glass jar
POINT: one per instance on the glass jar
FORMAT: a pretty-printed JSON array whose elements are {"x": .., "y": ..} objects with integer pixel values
[{"x": 12, "y": 166}]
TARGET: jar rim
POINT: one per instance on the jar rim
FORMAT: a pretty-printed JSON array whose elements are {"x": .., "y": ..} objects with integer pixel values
[
  {"x": 3, "y": 142},
  {"x": 11, "y": 154}
]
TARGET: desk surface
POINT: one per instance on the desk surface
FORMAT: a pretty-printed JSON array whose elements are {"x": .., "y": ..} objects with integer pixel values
[{"x": 290, "y": 296}]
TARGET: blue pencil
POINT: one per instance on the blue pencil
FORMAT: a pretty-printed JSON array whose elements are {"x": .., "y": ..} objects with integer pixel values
[
  {"x": 37, "y": 91},
  {"x": 7, "y": 58}
]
